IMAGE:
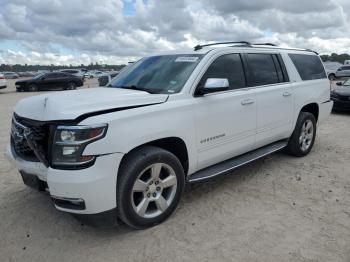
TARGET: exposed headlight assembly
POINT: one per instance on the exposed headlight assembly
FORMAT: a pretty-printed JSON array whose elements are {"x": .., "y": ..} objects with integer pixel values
[{"x": 70, "y": 142}]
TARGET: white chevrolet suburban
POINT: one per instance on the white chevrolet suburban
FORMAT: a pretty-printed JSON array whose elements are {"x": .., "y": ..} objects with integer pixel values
[{"x": 127, "y": 150}]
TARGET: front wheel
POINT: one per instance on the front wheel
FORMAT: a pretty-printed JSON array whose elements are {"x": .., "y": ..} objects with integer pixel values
[
  {"x": 303, "y": 137},
  {"x": 331, "y": 77},
  {"x": 32, "y": 88},
  {"x": 150, "y": 184}
]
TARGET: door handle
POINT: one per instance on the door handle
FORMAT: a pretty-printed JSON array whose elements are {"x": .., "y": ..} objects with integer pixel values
[
  {"x": 287, "y": 93},
  {"x": 247, "y": 102}
]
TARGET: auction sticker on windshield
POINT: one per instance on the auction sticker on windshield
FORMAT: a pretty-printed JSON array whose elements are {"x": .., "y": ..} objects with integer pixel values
[{"x": 188, "y": 59}]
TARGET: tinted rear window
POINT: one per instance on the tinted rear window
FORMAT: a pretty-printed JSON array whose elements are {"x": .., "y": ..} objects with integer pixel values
[
  {"x": 262, "y": 70},
  {"x": 309, "y": 66}
]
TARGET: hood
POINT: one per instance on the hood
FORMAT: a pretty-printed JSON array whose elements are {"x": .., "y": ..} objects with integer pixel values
[
  {"x": 69, "y": 105},
  {"x": 343, "y": 91},
  {"x": 19, "y": 82}
]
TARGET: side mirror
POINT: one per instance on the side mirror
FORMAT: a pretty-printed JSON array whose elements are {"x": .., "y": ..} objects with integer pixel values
[
  {"x": 339, "y": 83},
  {"x": 213, "y": 85}
]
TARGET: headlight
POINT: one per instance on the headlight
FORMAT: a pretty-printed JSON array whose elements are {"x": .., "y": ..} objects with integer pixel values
[{"x": 70, "y": 142}]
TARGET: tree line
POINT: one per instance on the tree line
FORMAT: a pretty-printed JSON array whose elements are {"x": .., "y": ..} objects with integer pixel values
[
  {"x": 25, "y": 67},
  {"x": 335, "y": 58}
]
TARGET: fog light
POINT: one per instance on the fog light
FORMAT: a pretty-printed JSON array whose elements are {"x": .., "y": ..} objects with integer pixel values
[{"x": 69, "y": 150}]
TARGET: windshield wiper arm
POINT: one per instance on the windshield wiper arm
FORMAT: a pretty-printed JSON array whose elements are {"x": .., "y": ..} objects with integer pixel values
[{"x": 133, "y": 87}]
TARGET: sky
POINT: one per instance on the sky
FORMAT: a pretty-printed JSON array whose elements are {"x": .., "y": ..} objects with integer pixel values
[{"x": 64, "y": 32}]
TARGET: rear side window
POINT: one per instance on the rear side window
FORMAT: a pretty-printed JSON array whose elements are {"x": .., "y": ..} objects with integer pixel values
[
  {"x": 309, "y": 66},
  {"x": 229, "y": 67},
  {"x": 265, "y": 69}
]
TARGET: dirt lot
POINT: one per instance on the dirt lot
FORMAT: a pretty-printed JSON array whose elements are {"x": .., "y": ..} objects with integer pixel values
[{"x": 279, "y": 208}]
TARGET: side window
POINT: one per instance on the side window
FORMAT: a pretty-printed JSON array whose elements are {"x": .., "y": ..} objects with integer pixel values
[
  {"x": 51, "y": 75},
  {"x": 227, "y": 66},
  {"x": 264, "y": 69},
  {"x": 309, "y": 67}
]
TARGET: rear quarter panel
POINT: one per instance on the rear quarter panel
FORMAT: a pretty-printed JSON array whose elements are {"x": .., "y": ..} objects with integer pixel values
[{"x": 306, "y": 92}]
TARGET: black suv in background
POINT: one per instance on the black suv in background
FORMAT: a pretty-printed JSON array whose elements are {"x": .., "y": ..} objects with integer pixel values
[{"x": 50, "y": 81}]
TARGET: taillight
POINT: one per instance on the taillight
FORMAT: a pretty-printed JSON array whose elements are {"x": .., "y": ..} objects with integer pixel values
[{"x": 1, "y": 77}]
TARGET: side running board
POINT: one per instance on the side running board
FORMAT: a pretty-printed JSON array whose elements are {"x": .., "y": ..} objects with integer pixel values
[{"x": 235, "y": 162}]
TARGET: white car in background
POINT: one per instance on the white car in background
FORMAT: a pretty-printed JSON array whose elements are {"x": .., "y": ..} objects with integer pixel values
[
  {"x": 10, "y": 75},
  {"x": 93, "y": 74},
  {"x": 3, "y": 82},
  {"x": 343, "y": 71},
  {"x": 76, "y": 72},
  {"x": 331, "y": 69}
]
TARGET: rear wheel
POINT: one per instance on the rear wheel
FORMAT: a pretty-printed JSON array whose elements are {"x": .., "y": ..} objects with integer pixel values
[
  {"x": 71, "y": 86},
  {"x": 150, "y": 185},
  {"x": 303, "y": 137}
]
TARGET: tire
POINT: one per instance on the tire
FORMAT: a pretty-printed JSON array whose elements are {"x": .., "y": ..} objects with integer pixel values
[
  {"x": 150, "y": 185},
  {"x": 331, "y": 77},
  {"x": 32, "y": 88},
  {"x": 303, "y": 137},
  {"x": 71, "y": 86}
]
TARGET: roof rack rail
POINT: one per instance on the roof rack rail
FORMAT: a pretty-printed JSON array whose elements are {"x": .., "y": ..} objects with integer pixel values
[
  {"x": 198, "y": 47},
  {"x": 269, "y": 44},
  {"x": 247, "y": 44}
]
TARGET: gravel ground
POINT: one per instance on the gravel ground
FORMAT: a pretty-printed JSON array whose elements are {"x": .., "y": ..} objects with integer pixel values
[{"x": 279, "y": 208}]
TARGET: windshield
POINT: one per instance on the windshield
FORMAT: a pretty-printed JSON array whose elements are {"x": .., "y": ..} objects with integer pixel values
[
  {"x": 38, "y": 76},
  {"x": 165, "y": 74}
]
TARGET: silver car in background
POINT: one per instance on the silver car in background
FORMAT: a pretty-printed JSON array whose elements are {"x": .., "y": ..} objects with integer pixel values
[
  {"x": 343, "y": 71},
  {"x": 3, "y": 82}
]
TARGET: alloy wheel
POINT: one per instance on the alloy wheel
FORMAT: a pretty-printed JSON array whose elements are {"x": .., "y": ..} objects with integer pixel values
[
  {"x": 154, "y": 190},
  {"x": 306, "y": 136}
]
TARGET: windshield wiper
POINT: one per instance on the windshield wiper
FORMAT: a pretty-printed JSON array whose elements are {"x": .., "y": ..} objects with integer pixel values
[{"x": 133, "y": 87}]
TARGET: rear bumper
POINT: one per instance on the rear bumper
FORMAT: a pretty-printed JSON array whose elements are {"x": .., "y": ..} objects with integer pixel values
[
  {"x": 92, "y": 190},
  {"x": 341, "y": 104},
  {"x": 325, "y": 110}
]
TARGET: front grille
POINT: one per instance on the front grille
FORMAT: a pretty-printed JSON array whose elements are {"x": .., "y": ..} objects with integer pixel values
[{"x": 39, "y": 132}]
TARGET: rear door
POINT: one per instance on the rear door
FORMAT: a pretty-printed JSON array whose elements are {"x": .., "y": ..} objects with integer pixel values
[
  {"x": 268, "y": 78},
  {"x": 225, "y": 121},
  {"x": 50, "y": 81}
]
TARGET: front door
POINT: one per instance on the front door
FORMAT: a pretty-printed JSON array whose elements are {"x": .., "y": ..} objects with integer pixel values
[{"x": 225, "y": 121}]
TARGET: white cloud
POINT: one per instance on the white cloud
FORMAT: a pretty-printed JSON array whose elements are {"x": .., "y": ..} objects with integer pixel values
[{"x": 84, "y": 31}]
